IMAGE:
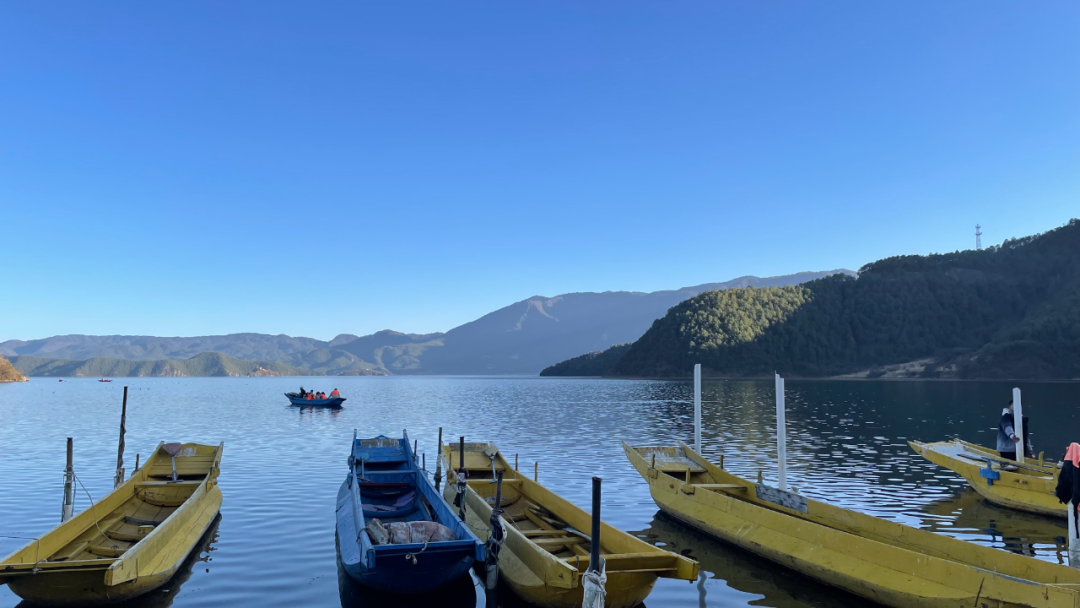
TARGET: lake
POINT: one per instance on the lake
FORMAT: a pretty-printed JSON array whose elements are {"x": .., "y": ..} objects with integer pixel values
[{"x": 282, "y": 465}]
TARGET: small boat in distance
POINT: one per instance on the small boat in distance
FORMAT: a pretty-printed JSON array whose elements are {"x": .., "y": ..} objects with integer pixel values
[
  {"x": 296, "y": 399},
  {"x": 395, "y": 533},
  {"x": 132, "y": 541},
  {"x": 104, "y": 380},
  {"x": 547, "y": 549}
]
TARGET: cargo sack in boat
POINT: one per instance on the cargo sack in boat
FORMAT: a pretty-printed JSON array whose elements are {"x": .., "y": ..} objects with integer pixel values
[
  {"x": 403, "y": 533},
  {"x": 377, "y": 531}
]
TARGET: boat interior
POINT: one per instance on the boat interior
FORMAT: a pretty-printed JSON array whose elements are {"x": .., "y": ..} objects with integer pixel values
[
  {"x": 541, "y": 517},
  {"x": 696, "y": 474},
  {"x": 164, "y": 483},
  {"x": 978, "y": 455},
  {"x": 388, "y": 481}
]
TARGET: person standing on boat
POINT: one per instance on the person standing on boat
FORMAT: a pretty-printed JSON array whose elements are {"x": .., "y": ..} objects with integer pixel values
[
  {"x": 302, "y": 393},
  {"x": 334, "y": 394},
  {"x": 1007, "y": 438}
]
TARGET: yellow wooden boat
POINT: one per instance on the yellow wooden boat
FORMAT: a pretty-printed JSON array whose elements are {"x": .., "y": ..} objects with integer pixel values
[
  {"x": 883, "y": 561},
  {"x": 1028, "y": 487},
  {"x": 129, "y": 542},
  {"x": 545, "y": 553}
]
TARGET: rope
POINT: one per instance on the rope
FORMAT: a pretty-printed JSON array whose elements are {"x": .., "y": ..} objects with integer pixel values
[
  {"x": 410, "y": 557},
  {"x": 93, "y": 507}
]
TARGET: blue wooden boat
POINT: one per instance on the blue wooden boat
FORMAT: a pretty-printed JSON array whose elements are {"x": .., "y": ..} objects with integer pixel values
[
  {"x": 296, "y": 399},
  {"x": 384, "y": 483}
]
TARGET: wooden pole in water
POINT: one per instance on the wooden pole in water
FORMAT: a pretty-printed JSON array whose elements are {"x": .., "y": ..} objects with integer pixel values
[
  {"x": 462, "y": 482},
  {"x": 536, "y": 471},
  {"x": 494, "y": 543},
  {"x": 594, "y": 540},
  {"x": 515, "y": 462},
  {"x": 136, "y": 464},
  {"x": 697, "y": 407},
  {"x": 438, "y": 463},
  {"x": 1018, "y": 425},
  {"x": 119, "y": 478},
  {"x": 69, "y": 489},
  {"x": 781, "y": 434}
]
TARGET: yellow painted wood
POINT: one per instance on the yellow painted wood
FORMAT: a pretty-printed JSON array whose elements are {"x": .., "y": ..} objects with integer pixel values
[
  {"x": 129, "y": 542},
  {"x": 1023, "y": 489},
  {"x": 884, "y": 561},
  {"x": 538, "y": 559}
]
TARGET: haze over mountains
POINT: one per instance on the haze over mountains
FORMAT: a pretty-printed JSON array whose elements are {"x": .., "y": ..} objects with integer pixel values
[{"x": 522, "y": 338}]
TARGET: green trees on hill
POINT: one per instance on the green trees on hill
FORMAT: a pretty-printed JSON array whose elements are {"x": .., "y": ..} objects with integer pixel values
[{"x": 1007, "y": 311}]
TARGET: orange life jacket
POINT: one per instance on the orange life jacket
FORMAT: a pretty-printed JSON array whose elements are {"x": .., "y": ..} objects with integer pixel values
[{"x": 335, "y": 393}]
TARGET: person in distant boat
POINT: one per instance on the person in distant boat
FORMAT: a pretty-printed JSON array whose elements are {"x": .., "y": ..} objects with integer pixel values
[
  {"x": 309, "y": 397},
  {"x": 302, "y": 393},
  {"x": 322, "y": 395},
  {"x": 334, "y": 394},
  {"x": 1007, "y": 438}
]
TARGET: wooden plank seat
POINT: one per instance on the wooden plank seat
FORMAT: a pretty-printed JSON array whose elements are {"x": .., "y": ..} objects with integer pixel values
[{"x": 158, "y": 484}]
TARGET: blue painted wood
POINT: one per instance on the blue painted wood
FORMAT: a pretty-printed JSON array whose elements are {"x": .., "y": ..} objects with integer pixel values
[
  {"x": 298, "y": 400},
  {"x": 392, "y": 488}
]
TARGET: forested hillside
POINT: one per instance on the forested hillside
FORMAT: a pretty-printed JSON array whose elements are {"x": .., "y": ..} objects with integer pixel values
[
  {"x": 205, "y": 364},
  {"x": 8, "y": 373},
  {"x": 1011, "y": 311}
]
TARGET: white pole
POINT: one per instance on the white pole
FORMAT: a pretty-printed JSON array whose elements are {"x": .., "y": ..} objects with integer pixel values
[
  {"x": 781, "y": 433},
  {"x": 1018, "y": 425},
  {"x": 697, "y": 407},
  {"x": 1074, "y": 542}
]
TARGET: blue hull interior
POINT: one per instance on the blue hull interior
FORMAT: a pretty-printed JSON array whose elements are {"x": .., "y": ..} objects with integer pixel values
[{"x": 385, "y": 483}]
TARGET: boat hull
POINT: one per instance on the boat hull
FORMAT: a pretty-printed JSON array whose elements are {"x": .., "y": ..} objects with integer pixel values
[
  {"x": 623, "y": 590},
  {"x": 539, "y": 561},
  {"x": 335, "y": 402},
  {"x": 144, "y": 567},
  {"x": 434, "y": 568},
  {"x": 412, "y": 568},
  {"x": 911, "y": 570},
  {"x": 1022, "y": 490}
]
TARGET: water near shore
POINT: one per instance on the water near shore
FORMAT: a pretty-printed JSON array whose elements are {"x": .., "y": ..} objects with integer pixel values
[{"x": 274, "y": 544}]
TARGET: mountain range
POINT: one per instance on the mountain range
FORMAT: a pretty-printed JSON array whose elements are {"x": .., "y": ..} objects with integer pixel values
[{"x": 521, "y": 338}]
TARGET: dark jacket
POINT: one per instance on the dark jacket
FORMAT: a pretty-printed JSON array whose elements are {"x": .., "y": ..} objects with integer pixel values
[{"x": 1068, "y": 485}]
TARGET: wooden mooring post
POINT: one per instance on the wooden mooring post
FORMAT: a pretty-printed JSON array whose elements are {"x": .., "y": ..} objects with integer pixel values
[{"x": 69, "y": 485}]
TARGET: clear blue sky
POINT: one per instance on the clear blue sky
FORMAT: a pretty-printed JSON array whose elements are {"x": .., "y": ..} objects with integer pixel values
[{"x": 187, "y": 168}]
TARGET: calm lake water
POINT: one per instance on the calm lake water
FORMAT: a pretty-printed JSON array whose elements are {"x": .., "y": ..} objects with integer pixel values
[{"x": 274, "y": 543}]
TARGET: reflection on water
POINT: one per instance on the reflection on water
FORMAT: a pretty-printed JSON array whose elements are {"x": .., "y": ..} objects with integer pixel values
[
  {"x": 732, "y": 577},
  {"x": 282, "y": 465},
  {"x": 969, "y": 517},
  {"x": 163, "y": 596}
]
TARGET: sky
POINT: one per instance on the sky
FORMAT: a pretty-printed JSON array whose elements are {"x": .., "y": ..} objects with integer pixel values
[{"x": 344, "y": 167}]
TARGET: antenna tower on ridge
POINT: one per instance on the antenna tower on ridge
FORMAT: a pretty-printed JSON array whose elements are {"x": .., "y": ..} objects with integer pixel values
[{"x": 978, "y": 236}]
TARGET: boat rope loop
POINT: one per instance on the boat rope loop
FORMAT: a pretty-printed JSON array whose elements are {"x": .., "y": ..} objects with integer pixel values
[
  {"x": 411, "y": 557},
  {"x": 495, "y": 541},
  {"x": 593, "y": 583},
  {"x": 462, "y": 487}
]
